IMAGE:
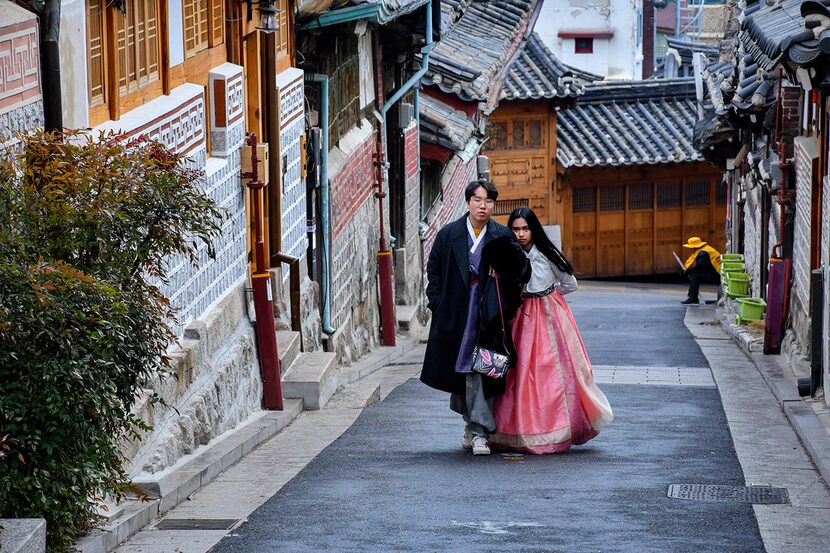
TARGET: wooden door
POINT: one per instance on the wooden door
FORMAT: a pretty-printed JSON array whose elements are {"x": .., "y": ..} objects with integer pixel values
[
  {"x": 639, "y": 227},
  {"x": 584, "y": 231},
  {"x": 611, "y": 231},
  {"x": 668, "y": 226}
]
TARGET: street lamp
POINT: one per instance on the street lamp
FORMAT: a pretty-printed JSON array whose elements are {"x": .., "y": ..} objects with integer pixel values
[{"x": 268, "y": 16}]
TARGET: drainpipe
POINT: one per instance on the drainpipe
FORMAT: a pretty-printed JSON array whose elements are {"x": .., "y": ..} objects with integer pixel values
[
  {"x": 384, "y": 257},
  {"x": 51, "y": 65},
  {"x": 325, "y": 281}
]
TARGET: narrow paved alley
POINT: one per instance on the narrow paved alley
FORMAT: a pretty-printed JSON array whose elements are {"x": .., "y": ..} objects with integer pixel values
[{"x": 398, "y": 480}]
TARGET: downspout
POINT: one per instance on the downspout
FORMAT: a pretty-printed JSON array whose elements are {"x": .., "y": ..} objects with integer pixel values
[
  {"x": 325, "y": 223},
  {"x": 51, "y": 65},
  {"x": 387, "y": 307}
]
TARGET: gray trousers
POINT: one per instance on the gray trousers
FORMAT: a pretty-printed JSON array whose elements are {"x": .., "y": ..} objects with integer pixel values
[{"x": 474, "y": 407}]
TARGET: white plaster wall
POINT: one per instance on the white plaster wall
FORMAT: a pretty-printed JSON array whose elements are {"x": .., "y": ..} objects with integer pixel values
[
  {"x": 72, "y": 44},
  {"x": 619, "y": 57},
  {"x": 175, "y": 32}
]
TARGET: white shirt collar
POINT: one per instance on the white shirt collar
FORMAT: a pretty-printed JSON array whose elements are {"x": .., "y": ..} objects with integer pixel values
[{"x": 476, "y": 239}]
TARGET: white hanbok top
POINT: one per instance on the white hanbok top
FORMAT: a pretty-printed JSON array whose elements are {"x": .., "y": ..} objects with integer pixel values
[{"x": 545, "y": 273}]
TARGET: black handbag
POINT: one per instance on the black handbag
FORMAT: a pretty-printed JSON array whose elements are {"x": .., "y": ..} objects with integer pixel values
[{"x": 487, "y": 361}]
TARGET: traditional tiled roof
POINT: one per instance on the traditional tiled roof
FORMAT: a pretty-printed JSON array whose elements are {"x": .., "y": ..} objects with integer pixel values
[
  {"x": 478, "y": 38},
  {"x": 629, "y": 123},
  {"x": 443, "y": 125},
  {"x": 740, "y": 84},
  {"x": 391, "y": 9},
  {"x": 535, "y": 73}
]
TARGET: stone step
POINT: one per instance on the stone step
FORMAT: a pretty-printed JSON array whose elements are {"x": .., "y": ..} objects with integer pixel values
[
  {"x": 288, "y": 346},
  {"x": 22, "y": 535},
  {"x": 311, "y": 377}
]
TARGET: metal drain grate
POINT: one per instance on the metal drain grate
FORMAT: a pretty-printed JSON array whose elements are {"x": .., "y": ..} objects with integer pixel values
[
  {"x": 759, "y": 495},
  {"x": 196, "y": 524}
]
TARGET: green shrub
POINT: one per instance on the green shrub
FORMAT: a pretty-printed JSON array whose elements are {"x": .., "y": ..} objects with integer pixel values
[{"x": 85, "y": 227}]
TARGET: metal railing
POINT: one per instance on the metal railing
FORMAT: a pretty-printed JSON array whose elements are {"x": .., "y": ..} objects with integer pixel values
[{"x": 293, "y": 290}]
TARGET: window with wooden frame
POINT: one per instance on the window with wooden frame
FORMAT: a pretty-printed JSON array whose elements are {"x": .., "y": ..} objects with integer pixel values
[
  {"x": 204, "y": 25},
  {"x": 123, "y": 56}
]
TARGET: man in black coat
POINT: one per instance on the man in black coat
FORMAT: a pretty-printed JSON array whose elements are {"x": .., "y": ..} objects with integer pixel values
[{"x": 456, "y": 277}]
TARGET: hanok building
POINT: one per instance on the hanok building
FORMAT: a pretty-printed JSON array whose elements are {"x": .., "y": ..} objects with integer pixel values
[
  {"x": 614, "y": 166},
  {"x": 461, "y": 88},
  {"x": 766, "y": 126}
]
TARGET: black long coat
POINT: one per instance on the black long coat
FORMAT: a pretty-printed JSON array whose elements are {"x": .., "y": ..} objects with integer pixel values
[{"x": 448, "y": 292}]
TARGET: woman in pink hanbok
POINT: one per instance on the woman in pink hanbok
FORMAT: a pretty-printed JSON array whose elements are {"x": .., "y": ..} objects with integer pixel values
[{"x": 551, "y": 401}]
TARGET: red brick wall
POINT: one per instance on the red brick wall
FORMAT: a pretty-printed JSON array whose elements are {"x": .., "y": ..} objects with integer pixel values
[
  {"x": 352, "y": 185},
  {"x": 453, "y": 196},
  {"x": 790, "y": 116},
  {"x": 410, "y": 150}
]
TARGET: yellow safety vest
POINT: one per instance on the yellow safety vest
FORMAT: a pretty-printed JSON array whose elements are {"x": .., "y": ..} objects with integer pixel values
[{"x": 714, "y": 257}]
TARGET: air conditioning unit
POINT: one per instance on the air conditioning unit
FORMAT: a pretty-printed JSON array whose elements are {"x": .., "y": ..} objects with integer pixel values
[{"x": 407, "y": 114}]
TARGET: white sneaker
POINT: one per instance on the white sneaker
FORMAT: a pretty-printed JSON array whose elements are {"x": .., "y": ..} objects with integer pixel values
[
  {"x": 480, "y": 446},
  {"x": 467, "y": 439}
]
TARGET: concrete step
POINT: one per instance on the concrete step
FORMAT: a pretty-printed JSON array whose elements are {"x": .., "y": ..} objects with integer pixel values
[
  {"x": 407, "y": 316},
  {"x": 288, "y": 346},
  {"x": 311, "y": 378}
]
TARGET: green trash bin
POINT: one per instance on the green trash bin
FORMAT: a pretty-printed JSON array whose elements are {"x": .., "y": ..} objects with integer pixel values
[
  {"x": 750, "y": 309},
  {"x": 737, "y": 285},
  {"x": 727, "y": 257}
]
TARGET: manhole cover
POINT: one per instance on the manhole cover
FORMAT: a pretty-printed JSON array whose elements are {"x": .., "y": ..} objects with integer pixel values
[
  {"x": 196, "y": 524},
  {"x": 763, "y": 495}
]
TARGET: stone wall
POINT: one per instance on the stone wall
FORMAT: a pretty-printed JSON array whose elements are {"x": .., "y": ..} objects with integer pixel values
[
  {"x": 355, "y": 313},
  {"x": 217, "y": 382},
  {"x": 408, "y": 265}
]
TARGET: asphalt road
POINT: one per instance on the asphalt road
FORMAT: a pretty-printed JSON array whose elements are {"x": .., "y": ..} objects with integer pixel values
[{"x": 398, "y": 479}]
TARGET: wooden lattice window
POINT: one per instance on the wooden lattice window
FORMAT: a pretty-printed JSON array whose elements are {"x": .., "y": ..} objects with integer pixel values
[
  {"x": 697, "y": 193},
  {"x": 97, "y": 67},
  {"x": 641, "y": 196},
  {"x": 138, "y": 45},
  {"x": 506, "y": 207},
  {"x": 124, "y": 50},
  {"x": 518, "y": 134},
  {"x": 612, "y": 198},
  {"x": 668, "y": 195},
  {"x": 584, "y": 200},
  {"x": 204, "y": 25},
  {"x": 497, "y": 135},
  {"x": 535, "y": 137}
]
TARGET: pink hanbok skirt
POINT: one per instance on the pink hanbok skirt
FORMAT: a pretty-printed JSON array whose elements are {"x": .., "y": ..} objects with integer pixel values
[{"x": 551, "y": 400}]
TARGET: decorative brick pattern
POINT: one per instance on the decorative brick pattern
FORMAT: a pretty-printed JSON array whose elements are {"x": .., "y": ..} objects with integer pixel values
[
  {"x": 410, "y": 145},
  {"x": 177, "y": 121},
  {"x": 352, "y": 186},
  {"x": 19, "y": 65},
  {"x": 457, "y": 175},
  {"x": 803, "y": 207},
  {"x": 20, "y": 120},
  {"x": 227, "y": 106},
  {"x": 292, "y": 126}
]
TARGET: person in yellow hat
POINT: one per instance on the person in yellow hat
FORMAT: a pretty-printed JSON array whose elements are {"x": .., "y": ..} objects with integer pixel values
[{"x": 702, "y": 266}]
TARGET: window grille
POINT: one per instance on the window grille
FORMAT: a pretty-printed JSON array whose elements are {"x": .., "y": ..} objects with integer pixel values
[
  {"x": 668, "y": 195},
  {"x": 612, "y": 198},
  {"x": 506, "y": 207},
  {"x": 535, "y": 138},
  {"x": 720, "y": 193},
  {"x": 584, "y": 200},
  {"x": 641, "y": 196},
  {"x": 518, "y": 134},
  {"x": 696, "y": 193}
]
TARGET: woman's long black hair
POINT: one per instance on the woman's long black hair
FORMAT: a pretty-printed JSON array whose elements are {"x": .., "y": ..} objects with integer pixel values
[{"x": 540, "y": 238}]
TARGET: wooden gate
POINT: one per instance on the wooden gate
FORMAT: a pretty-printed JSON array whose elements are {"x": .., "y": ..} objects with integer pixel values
[{"x": 632, "y": 229}]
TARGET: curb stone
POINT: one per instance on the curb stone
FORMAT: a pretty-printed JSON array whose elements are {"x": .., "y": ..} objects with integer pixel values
[{"x": 808, "y": 427}]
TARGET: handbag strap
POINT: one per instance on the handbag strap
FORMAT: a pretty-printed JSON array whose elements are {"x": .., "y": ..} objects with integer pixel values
[{"x": 495, "y": 276}]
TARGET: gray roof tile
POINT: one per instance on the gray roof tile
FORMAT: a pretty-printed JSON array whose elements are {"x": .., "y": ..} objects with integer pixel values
[
  {"x": 443, "y": 125},
  {"x": 629, "y": 123},
  {"x": 535, "y": 73}
]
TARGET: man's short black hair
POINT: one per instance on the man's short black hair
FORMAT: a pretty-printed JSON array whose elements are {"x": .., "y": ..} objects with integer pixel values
[{"x": 492, "y": 193}]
